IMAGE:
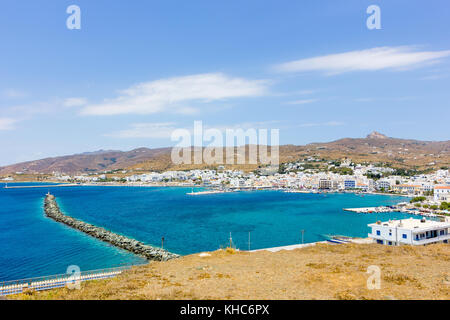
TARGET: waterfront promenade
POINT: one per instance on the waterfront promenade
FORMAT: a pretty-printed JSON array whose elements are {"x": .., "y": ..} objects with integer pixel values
[
  {"x": 44, "y": 186},
  {"x": 290, "y": 247}
]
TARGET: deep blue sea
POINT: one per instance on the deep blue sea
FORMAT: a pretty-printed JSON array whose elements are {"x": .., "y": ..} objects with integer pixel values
[{"x": 32, "y": 245}]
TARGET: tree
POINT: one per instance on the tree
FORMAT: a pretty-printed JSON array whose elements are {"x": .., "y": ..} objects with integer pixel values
[
  {"x": 418, "y": 199},
  {"x": 445, "y": 206}
]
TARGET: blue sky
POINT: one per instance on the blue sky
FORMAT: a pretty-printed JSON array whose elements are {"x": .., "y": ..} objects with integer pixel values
[{"x": 139, "y": 69}]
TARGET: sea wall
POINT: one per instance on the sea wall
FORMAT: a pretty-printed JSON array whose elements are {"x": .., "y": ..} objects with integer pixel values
[{"x": 52, "y": 211}]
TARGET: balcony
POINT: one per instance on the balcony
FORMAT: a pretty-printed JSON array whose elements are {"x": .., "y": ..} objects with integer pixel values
[
  {"x": 408, "y": 241},
  {"x": 431, "y": 240}
]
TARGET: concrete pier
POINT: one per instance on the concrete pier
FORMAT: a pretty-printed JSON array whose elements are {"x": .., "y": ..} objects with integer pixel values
[
  {"x": 151, "y": 253},
  {"x": 290, "y": 247}
]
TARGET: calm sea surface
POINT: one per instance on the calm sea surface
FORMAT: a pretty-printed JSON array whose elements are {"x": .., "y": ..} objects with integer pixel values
[{"x": 32, "y": 245}]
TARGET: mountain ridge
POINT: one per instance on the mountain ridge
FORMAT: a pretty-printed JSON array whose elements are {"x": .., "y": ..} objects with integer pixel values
[{"x": 376, "y": 147}]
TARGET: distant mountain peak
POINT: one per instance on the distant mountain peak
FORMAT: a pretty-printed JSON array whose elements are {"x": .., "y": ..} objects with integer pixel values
[{"x": 377, "y": 135}]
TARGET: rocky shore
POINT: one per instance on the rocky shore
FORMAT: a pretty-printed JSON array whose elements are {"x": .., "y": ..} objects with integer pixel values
[{"x": 151, "y": 253}]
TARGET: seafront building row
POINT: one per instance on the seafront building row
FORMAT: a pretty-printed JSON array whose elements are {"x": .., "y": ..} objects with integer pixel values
[{"x": 435, "y": 185}]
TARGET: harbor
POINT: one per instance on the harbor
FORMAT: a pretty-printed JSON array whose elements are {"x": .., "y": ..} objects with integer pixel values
[
  {"x": 188, "y": 224},
  {"x": 52, "y": 211},
  {"x": 401, "y": 207}
]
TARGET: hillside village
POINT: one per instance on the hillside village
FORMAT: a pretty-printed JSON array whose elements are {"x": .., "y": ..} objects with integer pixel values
[{"x": 309, "y": 175}]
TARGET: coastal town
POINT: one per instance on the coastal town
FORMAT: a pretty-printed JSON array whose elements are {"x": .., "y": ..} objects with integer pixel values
[{"x": 430, "y": 191}]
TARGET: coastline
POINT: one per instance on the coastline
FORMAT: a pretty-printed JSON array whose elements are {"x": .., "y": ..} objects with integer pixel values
[
  {"x": 100, "y": 224},
  {"x": 182, "y": 185}
]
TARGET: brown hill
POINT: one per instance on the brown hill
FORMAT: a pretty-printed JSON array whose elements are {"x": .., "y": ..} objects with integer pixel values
[
  {"x": 375, "y": 147},
  {"x": 88, "y": 162}
]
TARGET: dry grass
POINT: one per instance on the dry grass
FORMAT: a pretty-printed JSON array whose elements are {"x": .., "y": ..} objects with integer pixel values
[{"x": 318, "y": 272}]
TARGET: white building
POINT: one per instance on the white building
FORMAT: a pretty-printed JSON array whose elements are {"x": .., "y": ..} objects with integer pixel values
[
  {"x": 383, "y": 185},
  {"x": 410, "y": 231},
  {"x": 442, "y": 193}
]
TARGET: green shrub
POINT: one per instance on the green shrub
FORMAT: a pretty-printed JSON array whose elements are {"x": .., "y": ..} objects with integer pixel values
[{"x": 418, "y": 199}]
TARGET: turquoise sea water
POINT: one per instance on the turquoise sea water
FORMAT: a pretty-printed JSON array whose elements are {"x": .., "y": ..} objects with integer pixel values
[{"x": 33, "y": 245}]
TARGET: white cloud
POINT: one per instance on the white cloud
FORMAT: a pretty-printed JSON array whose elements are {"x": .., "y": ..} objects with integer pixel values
[
  {"x": 294, "y": 93},
  {"x": 74, "y": 102},
  {"x": 305, "y": 101},
  {"x": 169, "y": 94},
  {"x": 146, "y": 130},
  {"x": 7, "y": 123},
  {"x": 187, "y": 110},
  {"x": 380, "y": 58},
  {"x": 163, "y": 130}
]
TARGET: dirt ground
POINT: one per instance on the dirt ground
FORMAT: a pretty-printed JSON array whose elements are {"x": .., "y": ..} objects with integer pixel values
[{"x": 317, "y": 272}]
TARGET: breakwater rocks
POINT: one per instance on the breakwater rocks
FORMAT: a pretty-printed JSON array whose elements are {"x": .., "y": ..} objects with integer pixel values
[{"x": 151, "y": 253}]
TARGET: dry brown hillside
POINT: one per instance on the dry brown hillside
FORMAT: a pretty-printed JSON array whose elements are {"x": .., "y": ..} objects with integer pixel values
[
  {"x": 319, "y": 272},
  {"x": 375, "y": 147}
]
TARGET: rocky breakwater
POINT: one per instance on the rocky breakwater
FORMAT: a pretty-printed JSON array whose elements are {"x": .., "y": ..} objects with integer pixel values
[{"x": 151, "y": 253}]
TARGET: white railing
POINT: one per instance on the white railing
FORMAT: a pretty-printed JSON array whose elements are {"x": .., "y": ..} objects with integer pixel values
[{"x": 57, "y": 281}]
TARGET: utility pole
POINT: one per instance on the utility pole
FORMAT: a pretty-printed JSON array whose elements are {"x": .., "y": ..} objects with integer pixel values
[
  {"x": 231, "y": 241},
  {"x": 303, "y": 233},
  {"x": 162, "y": 243}
]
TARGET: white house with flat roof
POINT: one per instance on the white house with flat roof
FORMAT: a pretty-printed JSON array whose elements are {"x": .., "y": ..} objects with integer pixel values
[
  {"x": 410, "y": 231},
  {"x": 442, "y": 193}
]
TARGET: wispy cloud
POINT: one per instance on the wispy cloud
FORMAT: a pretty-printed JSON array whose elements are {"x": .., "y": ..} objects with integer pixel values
[
  {"x": 170, "y": 94},
  {"x": 375, "y": 99},
  {"x": 13, "y": 93},
  {"x": 74, "y": 102},
  {"x": 304, "y": 101},
  {"x": 380, "y": 58},
  {"x": 146, "y": 130},
  {"x": 7, "y": 124},
  {"x": 293, "y": 93},
  {"x": 163, "y": 130}
]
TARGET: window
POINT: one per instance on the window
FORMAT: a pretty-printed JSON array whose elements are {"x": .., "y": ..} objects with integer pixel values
[
  {"x": 442, "y": 232},
  {"x": 404, "y": 236},
  {"x": 378, "y": 232},
  {"x": 380, "y": 241}
]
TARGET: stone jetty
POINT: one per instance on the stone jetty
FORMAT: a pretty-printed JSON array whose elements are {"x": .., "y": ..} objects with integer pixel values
[{"x": 151, "y": 253}]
